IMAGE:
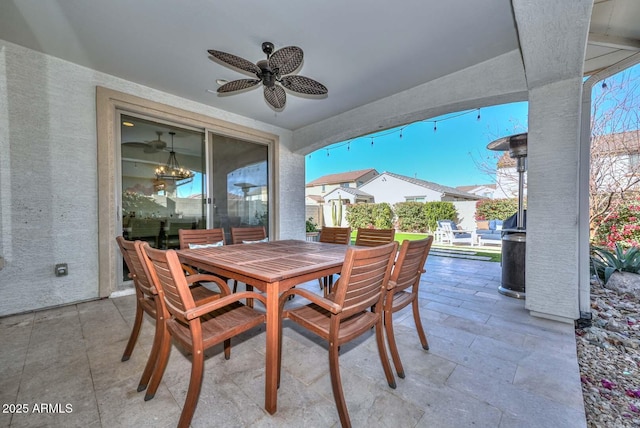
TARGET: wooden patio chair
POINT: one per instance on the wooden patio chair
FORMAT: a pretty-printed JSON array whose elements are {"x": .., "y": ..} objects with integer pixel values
[
  {"x": 247, "y": 235},
  {"x": 332, "y": 235},
  {"x": 344, "y": 315},
  {"x": 197, "y": 238},
  {"x": 196, "y": 327},
  {"x": 200, "y": 238},
  {"x": 374, "y": 237},
  {"x": 147, "y": 301},
  {"x": 402, "y": 290}
]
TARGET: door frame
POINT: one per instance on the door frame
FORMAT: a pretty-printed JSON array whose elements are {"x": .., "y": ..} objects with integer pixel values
[{"x": 108, "y": 104}]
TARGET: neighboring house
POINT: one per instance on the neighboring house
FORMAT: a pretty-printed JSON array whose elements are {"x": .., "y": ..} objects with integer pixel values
[
  {"x": 393, "y": 188},
  {"x": 483, "y": 190},
  {"x": 348, "y": 195},
  {"x": 615, "y": 162},
  {"x": 313, "y": 200},
  {"x": 615, "y": 165},
  {"x": 352, "y": 179}
]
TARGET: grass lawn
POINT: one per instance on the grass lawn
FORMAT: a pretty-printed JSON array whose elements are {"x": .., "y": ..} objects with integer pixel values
[{"x": 494, "y": 251}]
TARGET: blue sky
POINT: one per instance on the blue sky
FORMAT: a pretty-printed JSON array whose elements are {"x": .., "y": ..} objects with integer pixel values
[
  {"x": 450, "y": 155},
  {"x": 453, "y": 154}
]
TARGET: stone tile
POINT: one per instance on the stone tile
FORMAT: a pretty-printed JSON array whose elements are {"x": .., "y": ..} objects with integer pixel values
[
  {"x": 490, "y": 364},
  {"x": 445, "y": 407},
  {"x": 498, "y": 349},
  {"x": 551, "y": 376},
  {"x": 521, "y": 405},
  {"x": 432, "y": 297},
  {"x": 122, "y": 406},
  {"x": 501, "y": 334},
  {"x": 459, "y": 312},
  {"x": 500, "y": 370}
]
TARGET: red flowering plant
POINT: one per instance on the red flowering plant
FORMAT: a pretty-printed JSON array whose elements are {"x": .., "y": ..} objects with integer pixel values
[{"x": 620, "y": 226}]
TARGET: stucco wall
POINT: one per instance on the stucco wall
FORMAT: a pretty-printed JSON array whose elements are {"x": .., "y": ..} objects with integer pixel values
[
  {"x": 385, "y": 188},
  {"x": 48, "y": 179}
]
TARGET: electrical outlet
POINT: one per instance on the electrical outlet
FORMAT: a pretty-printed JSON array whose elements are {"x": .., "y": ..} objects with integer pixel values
[{"x": 61, "y": 269}]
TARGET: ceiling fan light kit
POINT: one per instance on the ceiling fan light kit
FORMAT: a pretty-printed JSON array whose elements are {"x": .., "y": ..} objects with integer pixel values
[{"x": 271, "y": 73}]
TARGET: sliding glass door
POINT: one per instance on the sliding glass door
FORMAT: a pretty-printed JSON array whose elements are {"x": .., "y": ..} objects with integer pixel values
[
  {"x": 240, "y": 178},
  {"x": 163, "y": 180},
  {"x": 172, "y": 178}
]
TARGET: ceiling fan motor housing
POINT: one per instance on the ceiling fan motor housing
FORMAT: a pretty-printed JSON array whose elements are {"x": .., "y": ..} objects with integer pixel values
[{"x": 267, "y": 75}]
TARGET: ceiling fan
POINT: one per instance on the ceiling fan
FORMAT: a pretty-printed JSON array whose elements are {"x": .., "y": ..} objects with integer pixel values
[
  {"x": 149, "y": 146},
  {"x": 271, "y": 72}
]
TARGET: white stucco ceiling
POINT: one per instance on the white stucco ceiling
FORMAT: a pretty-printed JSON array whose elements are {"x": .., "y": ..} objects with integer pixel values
[{"x": 361, "y": 50}]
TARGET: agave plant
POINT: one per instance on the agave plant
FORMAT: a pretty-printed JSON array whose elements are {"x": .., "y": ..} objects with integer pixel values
[{"x": 605, "y": 261}]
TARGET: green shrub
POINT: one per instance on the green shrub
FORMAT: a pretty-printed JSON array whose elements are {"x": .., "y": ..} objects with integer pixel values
[
  {"x": 605, "y": 261},
  {"x": 438, "y": 210},
  {"x": 363, "y": 215},
  {"x": 496, "y": 209},
  {"x": 411, "y": 217}
]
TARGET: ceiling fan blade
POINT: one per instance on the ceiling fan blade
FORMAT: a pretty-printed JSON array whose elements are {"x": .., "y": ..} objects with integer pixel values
[
  {"x": 235, "y": 61},
  {"x": 275, "y": 96},
  {"x": 151, "y": 149},
  {"x": 303, "y": 85},
  {"x": 238, "y": 85},
  {"x": 136, "y": 144},
  {"x": 286, "y": 60}
]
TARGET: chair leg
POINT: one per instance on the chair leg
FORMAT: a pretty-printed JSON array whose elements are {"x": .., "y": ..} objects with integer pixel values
[
  {"x": 416, "y": 318},
  {"x": 279, "y": 368},
  {"x": 161, "y": 365},
  {"x": 128, "y": 350},
  {"x": 336, "y": 385},
  {"x": 195, "y": 383},
  {"x": 227, "y": 349},
  {"x": 153, "y": 357},
  {"x": 382, "y": 350},
  {"x": 391, "y": 339}
]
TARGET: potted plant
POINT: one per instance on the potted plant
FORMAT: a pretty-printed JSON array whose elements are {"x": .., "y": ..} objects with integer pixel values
[{"x": 312, "y": 230}]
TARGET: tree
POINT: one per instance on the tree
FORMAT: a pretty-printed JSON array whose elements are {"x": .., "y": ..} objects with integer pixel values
[{"x": 615, "y": 146}]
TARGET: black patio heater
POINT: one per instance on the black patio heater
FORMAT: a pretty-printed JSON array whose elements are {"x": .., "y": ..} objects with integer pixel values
[{"x": 514, "y": 234}]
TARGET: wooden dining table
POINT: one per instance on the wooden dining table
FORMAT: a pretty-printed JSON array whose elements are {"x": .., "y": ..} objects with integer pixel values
[{"x": 271, "y": 267}]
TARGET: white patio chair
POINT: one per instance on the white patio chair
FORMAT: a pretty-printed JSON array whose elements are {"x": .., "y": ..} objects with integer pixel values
[{"x": 448, "y": 233}]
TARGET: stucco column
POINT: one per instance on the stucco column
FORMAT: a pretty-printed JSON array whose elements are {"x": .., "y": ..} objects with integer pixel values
[
  {"x": 553, "y": 36},
  {"x": 552, "y": 268}
]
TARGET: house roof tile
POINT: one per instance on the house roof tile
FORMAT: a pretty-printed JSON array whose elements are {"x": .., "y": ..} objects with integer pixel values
[
  {"x": 342, "y": 177},
  {"x": 433, "y": 186}
]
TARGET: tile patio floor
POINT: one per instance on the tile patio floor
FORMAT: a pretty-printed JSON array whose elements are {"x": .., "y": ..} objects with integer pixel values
[{"x": 490, "y": 365}]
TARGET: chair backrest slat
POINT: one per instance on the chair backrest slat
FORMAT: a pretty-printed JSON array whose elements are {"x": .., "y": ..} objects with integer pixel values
[
  {"x": 240, "y": 234},
  {"x": 364, "y": 274},
  {"x": 200, "y": 236},
  {"x": 168, "y": 277},
  {"x": 374, "y": 237},
  {"x": 335, "y": 235},
  {"x": 137, "y": 268},
  {"x": 410, "y": 263}
]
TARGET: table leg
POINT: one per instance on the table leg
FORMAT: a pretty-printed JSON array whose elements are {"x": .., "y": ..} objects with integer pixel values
[{"x": 271, "y": 369}]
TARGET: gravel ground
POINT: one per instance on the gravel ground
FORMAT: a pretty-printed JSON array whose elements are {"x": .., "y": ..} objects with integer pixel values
[{"x": 609, "y": 358}]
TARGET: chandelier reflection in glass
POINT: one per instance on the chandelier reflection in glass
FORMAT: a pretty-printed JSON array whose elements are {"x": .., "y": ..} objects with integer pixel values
[{"x": 172, "y": 170}]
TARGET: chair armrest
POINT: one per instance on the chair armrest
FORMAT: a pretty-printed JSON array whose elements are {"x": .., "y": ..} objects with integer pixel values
[
  {"x": 313, "y": 297},
  {"x": 222, "y": 302},
  {"x": 201, "y": 277},
  {"x": 188, "y": 269}
]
